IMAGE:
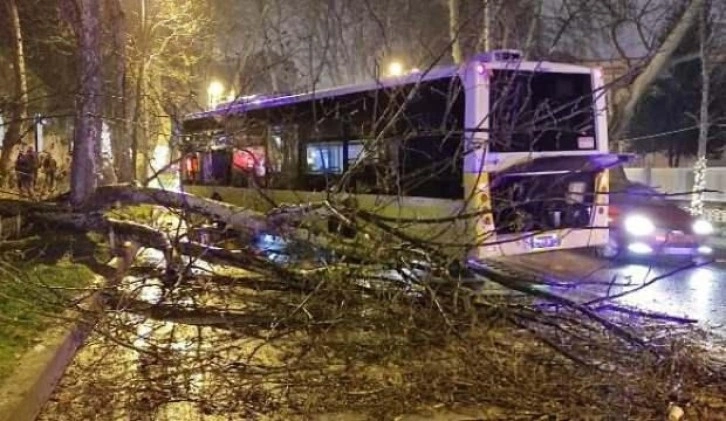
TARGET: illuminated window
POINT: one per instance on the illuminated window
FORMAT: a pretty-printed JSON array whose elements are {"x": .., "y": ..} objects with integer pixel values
[
  {"x": 325, "y": 158},
  {"x": 356, "y": 151},
  {"x": 250, "y": 159}
]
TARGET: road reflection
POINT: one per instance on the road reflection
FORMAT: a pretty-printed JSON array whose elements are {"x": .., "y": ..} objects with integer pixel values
[{"x": 690, "y": 293}]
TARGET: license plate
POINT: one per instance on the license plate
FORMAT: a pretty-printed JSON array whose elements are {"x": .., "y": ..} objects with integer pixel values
[{"x": 545, "y": 241}]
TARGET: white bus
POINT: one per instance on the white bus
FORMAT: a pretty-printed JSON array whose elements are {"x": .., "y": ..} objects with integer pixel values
[{"x": 498, "y": 156}]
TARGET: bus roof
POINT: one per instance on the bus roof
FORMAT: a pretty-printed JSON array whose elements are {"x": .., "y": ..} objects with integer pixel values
[{"x": 256, "y": 102}]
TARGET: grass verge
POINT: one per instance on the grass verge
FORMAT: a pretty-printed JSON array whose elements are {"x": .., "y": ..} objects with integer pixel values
[{"x": 39, "y": 279}]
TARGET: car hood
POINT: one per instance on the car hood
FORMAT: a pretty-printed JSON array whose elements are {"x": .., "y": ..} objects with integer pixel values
[{"x": 665, "y": 216}]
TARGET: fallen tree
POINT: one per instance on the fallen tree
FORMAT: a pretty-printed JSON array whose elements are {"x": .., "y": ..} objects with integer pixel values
[{"x": 367, "y": 309}]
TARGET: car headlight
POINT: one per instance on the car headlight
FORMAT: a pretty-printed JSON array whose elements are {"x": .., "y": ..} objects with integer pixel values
[
  {"x": 639, "y": 226},
  {"x": 702, "y": 227}
]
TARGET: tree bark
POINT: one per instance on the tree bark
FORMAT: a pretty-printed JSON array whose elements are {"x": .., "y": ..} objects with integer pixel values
[
  {"x": 454, "y": 30},
  {"x": 121, "y": 139},
  {"x": 532, "y": 41},
  {"x": 19, "y": 107},
  {"x": 626, "y": 104},
  {"x": 240, "y": 219},
  {"x": 87, "y": 134},
  {"x": 484, "y": 42},
  {"x": 138, "y": 123},
  {"x": 699, "y": 182}
]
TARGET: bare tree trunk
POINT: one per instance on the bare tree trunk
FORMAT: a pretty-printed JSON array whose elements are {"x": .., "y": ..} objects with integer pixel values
[
  {"x": 454, "y": 29},
  {"x": 533, "y": 29},
  {"x": 626, "y": 104},
  {"x": 87, "y": 134},
  {"x": 138, "y": 124},
  {"x": 484, "y": 44},
  {"x": 19, "y": 106},
  {"x": 699, "y": 172},
  {"x": 121, "y": 144}
]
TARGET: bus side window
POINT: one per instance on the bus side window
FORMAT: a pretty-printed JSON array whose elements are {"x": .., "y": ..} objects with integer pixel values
[
  {"x": 248, "y": 164},
  {"x": 432, "y": 167},
  {"x": 359, "y": 161},
  {"x": 323, "y": 165},
  {"x": 216, "y": 166},
  {"x": 191, "y": 168},
  {"x": 324, "y": 158}
]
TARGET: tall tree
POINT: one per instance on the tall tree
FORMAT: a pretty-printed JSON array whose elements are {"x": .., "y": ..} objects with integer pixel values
[
  {"x": 699, "y": 183},
  {"x": 455, "y": 30},
  {"x": 84, "y": 18},
  {"x": 19, "y": 104},
  {"x": 627, "y": 100},
  {"x": 119, "y": 103},
  {"x": 170, "y": 40}
]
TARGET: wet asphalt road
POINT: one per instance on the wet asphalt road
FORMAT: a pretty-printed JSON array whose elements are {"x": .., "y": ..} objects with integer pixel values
[{"x": 695, "y": 293}]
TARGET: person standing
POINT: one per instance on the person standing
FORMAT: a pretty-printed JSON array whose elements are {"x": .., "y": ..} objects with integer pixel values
[
  {"x": 19, "y": 171},
  {"x": 24, "y": 168},
  {"x": 50, "y": 167},
  {"x": 32, "y": 164}
]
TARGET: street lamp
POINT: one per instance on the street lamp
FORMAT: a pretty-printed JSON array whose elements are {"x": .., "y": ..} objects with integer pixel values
[
  {"x": 214, "y": 93},
  {"x": 395, "y": 68}
]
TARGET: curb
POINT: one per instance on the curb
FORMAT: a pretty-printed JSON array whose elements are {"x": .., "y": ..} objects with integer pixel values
[{"x": 25, "y": 392}]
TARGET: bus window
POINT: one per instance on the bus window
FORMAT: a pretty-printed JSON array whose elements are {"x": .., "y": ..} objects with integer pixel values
[
  {"x": 325, "y": 158},
  {"x": 356, "y": 152},
  {"x": 532, "y": 203},
  {"x": 191, "y": 168},
  {"x": 275, "y": 153},
  {"x": 431, "y": 167},
  {"x": 247, "y": 162},
  {"x": 215, "y": 167},
  {"x": 541, "y": 112}
]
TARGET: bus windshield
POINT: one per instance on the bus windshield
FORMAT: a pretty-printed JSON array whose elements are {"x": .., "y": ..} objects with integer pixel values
[{"x": 541, "y": 112}]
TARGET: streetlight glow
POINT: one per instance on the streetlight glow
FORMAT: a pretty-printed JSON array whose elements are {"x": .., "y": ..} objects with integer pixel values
[
  {"x": 395, "y": 69},
  {"x": 215, "y": 92}
]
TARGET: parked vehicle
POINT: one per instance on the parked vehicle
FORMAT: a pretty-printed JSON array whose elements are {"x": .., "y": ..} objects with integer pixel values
[
  {"x": 643, "y": 222},
  {"x": 520, "y": 146}
]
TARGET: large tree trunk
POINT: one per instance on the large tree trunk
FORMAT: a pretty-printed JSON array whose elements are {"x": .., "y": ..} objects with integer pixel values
[
  {"x": 532, "y": 41},
  {"x": 455, "y": 30},
  {"x": 138, "y": 123},
  {"x": 87, "y": 134},
  {"x": 121, "y": 144},
  {"x": 484, "y": 42},
  {"x": 626, "y": 104},
  {"x": 19, "y": 107}
]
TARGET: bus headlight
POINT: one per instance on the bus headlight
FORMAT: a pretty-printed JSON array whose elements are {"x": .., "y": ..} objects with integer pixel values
[
  {"x": 702, "y": 227},
  {"x": 639, "y": 226}
]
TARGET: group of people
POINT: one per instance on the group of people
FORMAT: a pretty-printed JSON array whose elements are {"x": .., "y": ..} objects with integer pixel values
[{"x": 27, "y": 165}]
